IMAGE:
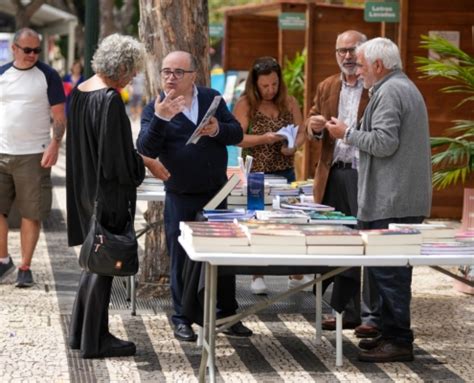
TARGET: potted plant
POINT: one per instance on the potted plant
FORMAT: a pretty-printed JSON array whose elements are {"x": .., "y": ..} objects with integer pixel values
[{"x": 453, "y": 156}]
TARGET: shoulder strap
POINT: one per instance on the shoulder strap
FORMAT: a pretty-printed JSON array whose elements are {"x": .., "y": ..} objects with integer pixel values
[{"x": 103, "y": 123}]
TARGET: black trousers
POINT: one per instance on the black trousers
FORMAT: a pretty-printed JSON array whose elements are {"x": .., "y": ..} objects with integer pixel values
[
  {"x": 394, "y": 285},
  {"x": 178, "y": 208},
  {"x": 89, "y": 329},
  {"x": 341, "y": 193}
]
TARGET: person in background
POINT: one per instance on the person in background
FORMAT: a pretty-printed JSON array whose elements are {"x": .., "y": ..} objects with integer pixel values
[
  {"x": 262, "y": 109},
  {"x": 394, "y": 184},
  {"x": 75, "y": 77},
  {"x": 32, "y": 107},
  {"x": 198, "y": 171},
  {"x": 137, "y": 87},
  {"x": 96, "y": 110},
  {"x": 335, "y": 177},
  {"x": 71, "y": 80}
]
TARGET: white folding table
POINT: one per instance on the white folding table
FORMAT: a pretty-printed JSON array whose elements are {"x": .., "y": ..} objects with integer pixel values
[{"x": 341, "y": 263}]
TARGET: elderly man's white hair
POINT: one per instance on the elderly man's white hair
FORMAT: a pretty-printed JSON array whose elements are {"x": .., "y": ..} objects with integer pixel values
[{"x": 382, "y": 49}]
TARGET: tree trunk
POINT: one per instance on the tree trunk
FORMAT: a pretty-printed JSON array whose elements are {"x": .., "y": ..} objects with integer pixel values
[
  {"x": 165, "y": 26},
  {"x": 25, "y": 12}
]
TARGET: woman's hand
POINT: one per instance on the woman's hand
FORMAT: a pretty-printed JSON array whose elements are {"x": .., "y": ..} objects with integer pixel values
[
  {"x": 271, "y": 138},
  {"x": 286, "y": 151},
  {"x": 156, "y": 168}
]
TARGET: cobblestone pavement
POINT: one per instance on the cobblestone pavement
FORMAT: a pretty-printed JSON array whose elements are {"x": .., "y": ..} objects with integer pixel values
[{"x": 34, "y": 322}]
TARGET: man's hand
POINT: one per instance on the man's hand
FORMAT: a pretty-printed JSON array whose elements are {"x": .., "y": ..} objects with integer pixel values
[
  {"x": 170, "y": 106},
  {"x": 156, "y": 168},
  {"x": 50, "y": 155},
  {"x": 336, "y": 128},
  {"x": 316, "y": 124},
  {"x": 211, "y": 129}
]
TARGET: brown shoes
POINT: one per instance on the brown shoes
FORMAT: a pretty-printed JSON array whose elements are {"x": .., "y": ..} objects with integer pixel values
[
  {"x": 386, "y": 351},
  {"x": 330, "y": 324},
  {"x": 366, "y": 331}
]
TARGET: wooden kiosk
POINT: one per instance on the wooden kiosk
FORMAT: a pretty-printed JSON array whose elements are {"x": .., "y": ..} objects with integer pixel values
[{"x": 253, "y": 30}]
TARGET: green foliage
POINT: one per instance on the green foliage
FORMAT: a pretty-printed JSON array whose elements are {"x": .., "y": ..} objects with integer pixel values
[
  {"x": 453, "y": 157},
  {"x": 293, "y": 75},
  {"x": 216, "y": 6}
]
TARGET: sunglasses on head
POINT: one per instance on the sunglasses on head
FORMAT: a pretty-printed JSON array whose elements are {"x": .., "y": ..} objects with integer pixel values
[
  {"x": 28, "y": 50},
  {"x": 271, "y": 65}
]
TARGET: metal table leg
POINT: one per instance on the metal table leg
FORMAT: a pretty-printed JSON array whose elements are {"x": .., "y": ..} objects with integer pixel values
[
  {"x": 338, "y": 339},
  {"x": 209, "y": 325},
  {"x": 319, "y": 308}
]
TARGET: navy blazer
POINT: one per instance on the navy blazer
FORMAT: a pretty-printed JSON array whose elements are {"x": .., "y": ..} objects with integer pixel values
[{"x": 195, "y": 168}]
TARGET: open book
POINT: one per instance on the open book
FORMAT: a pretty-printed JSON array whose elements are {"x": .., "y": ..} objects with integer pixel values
[
  {"x": 205, "y": 120},
  {"x": 289, "y": 132},
  {"x": 223, "y": 192}
]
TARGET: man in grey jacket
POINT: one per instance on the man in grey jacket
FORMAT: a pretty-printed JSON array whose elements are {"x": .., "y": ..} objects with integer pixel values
[{"x": 394, "y": 181}]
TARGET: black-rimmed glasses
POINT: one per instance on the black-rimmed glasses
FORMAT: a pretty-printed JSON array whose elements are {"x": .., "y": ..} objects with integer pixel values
[
  {"x": 177, "y": 73},
  {"x": 28, "y": 50},
  {"x": 344, "y": 51}
]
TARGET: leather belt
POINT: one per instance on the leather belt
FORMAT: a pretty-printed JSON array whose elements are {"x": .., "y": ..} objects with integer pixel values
[{"x": 342, "y": 165}]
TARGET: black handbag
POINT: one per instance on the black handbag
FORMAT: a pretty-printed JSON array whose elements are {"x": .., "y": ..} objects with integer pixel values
[{"x": 104, "y": 252}]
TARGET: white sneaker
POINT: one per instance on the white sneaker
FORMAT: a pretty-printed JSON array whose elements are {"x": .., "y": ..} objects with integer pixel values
[
  {"x": 258, "y": 286},
  {"x": 292, "y": 283}
]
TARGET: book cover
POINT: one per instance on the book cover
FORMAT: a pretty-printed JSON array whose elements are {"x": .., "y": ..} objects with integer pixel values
[
  {"x": 331, "y": 235},
  {"x": 194, "y": 138},
  {"x": 335, "y": 250},
  {"x": 311, "y": 206},
  {"x": 255, "y": 191},
  {"x": 391, "y": 237},
  {"x": 453, "y": 248},
  {"x": 280, "y": 215},
  {"x": 223, "y": 192},
  {"x": 392, "y": 250},
  {"x": 428, "y": 230},
  {"x": 264, "y": 236},
  {"x": 289, "y": 132}
]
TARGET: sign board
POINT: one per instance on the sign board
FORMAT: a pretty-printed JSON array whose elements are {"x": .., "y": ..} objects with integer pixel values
[
  {"x": 216, "y": 30},
  {"x": 388, "y": 12},
  {"x": 292, "y": 20}
]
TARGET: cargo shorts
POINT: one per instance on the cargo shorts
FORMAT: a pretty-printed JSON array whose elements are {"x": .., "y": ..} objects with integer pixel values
[{"x": 23, "y": 180}]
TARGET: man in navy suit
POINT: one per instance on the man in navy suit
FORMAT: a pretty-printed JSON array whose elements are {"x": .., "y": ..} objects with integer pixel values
[{"x": 197, "y": 171}]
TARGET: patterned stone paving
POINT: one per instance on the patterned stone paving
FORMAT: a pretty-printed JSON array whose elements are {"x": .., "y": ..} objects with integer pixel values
[{"x": 33, "y": 329}]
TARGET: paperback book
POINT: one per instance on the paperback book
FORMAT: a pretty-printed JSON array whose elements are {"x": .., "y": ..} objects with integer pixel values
[
  {"x": 391, "y": 237},
  {"x": 392, "y": 250},
  {"x": 335, "y": 250}
]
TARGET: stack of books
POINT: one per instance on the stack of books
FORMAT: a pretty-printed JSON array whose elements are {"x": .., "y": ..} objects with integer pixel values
[
  {"x": 392, "y": 241},
  {"x": 430, "y": 232},
  {"x": 282, "y": 216},
  {"x": 228, "y": 215},
  {"x": 278, "y": 238},
  {"x": 331, "y": 218},
  {"x": 330, "y": 239},
  {"x": 211, "y": 237}
]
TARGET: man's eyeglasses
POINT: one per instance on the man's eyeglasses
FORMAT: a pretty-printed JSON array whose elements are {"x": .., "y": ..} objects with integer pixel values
[
  {"x": 28, "y": 50},
  {"x": 343, "y": 51},
  {"x": 177, "y": 73}
]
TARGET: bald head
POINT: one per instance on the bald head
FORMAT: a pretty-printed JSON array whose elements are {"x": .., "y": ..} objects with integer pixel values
[
  {"x": 346, "y": 44},
  {"x": 178, "y": 73}
]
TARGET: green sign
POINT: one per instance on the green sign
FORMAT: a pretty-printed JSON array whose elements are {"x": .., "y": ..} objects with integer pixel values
[
  {"x": 376, "y": 12},
  {"x": 291, "y": 20},
  {"x": 216, "y": 30}
]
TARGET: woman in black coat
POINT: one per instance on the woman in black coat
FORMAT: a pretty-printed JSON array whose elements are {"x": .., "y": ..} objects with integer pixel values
[{"x": 96, "y": 108}]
